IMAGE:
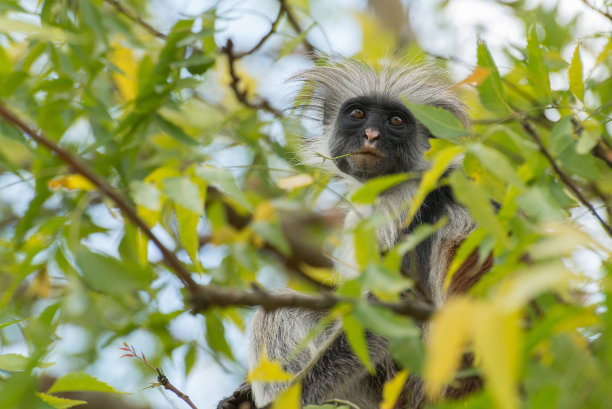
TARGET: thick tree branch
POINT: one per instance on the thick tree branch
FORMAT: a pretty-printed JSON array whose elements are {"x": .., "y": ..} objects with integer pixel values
[
  {"x": 209, "y": 296},
  {"x": 562, "y": 175},
  {"x": 104, "y": 187}
]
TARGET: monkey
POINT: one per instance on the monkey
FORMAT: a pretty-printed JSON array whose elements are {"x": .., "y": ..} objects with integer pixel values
[{"x": 368, "y": 132}]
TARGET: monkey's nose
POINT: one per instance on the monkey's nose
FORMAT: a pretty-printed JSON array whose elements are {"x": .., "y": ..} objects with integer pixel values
[{"x": 372, "y": 133}]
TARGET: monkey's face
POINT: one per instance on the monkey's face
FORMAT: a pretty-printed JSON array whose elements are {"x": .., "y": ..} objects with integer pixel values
[{"x": 379, "y": 137}]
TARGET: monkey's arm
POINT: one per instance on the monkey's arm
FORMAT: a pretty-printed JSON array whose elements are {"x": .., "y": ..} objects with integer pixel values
[{"x": 327, "y": 367}]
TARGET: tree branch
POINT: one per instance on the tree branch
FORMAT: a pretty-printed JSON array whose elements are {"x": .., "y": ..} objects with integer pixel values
[
  {"x": 210, "y": 296},
  {"x": 603, "y": 13},
  {"x": 104, "y": 187},
  {"x": 136, "y": 19},
  {"x": 263, "y": 39},
  {"x": 203, "y": 297},
  {"x": 161, "y": 378},
  {"x": 562, "y": 175},
  {"x": 296, "y": 26},
  {"x": 241, "y": 95}
]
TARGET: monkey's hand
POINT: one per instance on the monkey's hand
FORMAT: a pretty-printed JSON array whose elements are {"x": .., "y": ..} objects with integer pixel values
[{"x": 242, "y": 398}]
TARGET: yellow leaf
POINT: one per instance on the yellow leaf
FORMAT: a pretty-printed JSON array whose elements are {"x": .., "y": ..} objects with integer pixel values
[
  {"x": 514, "y": 293},
  {"x": 142, "y": 243},
  {"x": 265, "y": 212},
  {"x": 187, "y": 222},
  {"x": 320, "y": 274},
  {"x": 268, "y": 371},
  {"x": 450, "y": 330},
  {"x": 377, "y": 40},
  {"x": 475, "y": 78},
  {"x": 497, "y": 343},
  {"x": 125, "y": 61},
  {"x": 71, "y": 182},
  {"x": 30, "y": 30},
  {"x": 441, "y": 162},
  {"x": 150, "y": 217},
  {"x": 223, "y": 235},
  {"x": 289, "y": 399},
  {"x": 576, "y": 84},
  {"x": 293, "y": 182},
  {"x": 392, "y": 390},
  {"x": 161, "y": 173}
]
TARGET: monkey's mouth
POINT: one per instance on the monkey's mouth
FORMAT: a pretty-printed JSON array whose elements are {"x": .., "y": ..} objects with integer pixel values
[{"x": 366, "y": 158}]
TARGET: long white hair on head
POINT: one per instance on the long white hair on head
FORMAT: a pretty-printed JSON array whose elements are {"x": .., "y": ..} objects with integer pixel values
[{"x": 338, "y": 79}]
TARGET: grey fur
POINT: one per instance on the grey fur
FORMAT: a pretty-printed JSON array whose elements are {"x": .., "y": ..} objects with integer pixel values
[{"x": 338, "y": 373}]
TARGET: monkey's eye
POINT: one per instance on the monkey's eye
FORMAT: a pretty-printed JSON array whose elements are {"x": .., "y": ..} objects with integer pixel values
[
  {"x": 396, "y": 120},
  {"x": 357, "y": 114}
]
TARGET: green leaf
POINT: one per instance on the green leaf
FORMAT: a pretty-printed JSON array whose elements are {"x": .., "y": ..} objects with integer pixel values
[
  {"x": 225, "y": 182},
  {"x": 561, "y": 136},
  {"x": 111, "y": 276},
  {"x": 273, "y": 234},
  {"x": 355, "y": 336},
  {"x": 190, "y": 358},
  {"x": 476, "y": 200},
  {"x": 491, "y": 92},
  {"x": 383, "y": 283},
  {"x": 60, "y": 403},
  {"x": 146, "y": 195},
  {"x": 215, "y": 335},
  {"x": 366, "y": 245},
  {"x": 588, "y": 140},
  {"x": 175, "y": 131},
  {"x": 17, "y": 362},
  {"x": 290, "y": 45},
  {"x": 538, "y": 72},
  {"x": 184, "y": 192},
  {"x": 582, "y": 165},
  {"x": 576, "y": 84},
  {"x": 7, "y": 323},
  {"x": 196, "y": 64},
  {"x": 384, "y": 322},
  {"x": 80, "y": 381},
  {"x": 188, "y": 232},
  {"x": 440, "y": 122},
  {"x": 539, "y": 203},
  {"x": 430, "y": 178},
  {"x": 496, "y": 163},
  {"x": 368, "y": 192},
  {"x": 92, "y": 19}
]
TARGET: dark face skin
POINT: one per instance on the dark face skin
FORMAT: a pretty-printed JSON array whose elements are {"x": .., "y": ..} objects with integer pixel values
[{"x": 382, "y": 137}]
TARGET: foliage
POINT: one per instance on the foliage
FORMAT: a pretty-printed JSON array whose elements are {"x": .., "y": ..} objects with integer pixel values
[{"x": 152, "y": 115}]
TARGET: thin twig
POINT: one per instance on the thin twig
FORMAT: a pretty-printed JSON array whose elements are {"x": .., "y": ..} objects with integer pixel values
[
  {"x": 241, "y": 95},
  {"x": 104, "y": 187},
  {"x": 562, "y": 175},
  {"x": 167, "y": 385},
  {"x": 136, "y": 19},
  {"x": 161, "y": 378},
  {"x": 263, "y": 39},
  {"x": 298, "y": 29},
  {"x": 603, "y": 13}
]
